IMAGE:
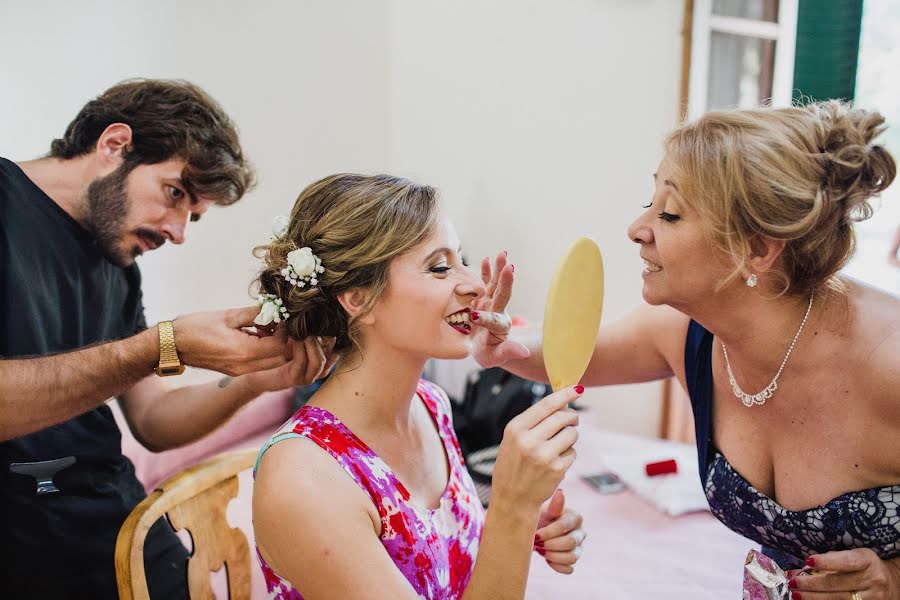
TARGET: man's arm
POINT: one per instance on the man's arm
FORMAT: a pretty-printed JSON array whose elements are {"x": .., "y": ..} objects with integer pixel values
[
  {"x": 161, "y": 418},
  {"x": 36, "y": 393}
]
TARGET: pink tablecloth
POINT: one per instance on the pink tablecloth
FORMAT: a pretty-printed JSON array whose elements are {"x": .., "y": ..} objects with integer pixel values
[{"x": 635, "y": 551}]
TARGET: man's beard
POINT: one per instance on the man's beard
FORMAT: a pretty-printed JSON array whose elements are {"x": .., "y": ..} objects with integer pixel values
[{"x": 106, "y": 207}]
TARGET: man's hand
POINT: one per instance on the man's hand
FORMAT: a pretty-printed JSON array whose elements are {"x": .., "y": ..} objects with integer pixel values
[
  {"x": 310, "y": 360},
  {"x": 217, "y": 340},
  {"x": 492, "y": 348},
  {"x": 559, "y": 535}
]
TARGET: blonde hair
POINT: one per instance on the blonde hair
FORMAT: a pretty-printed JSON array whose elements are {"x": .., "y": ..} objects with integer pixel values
[
  {"x": 801, "y": 174},
  {"x": 356, "y": 225}
]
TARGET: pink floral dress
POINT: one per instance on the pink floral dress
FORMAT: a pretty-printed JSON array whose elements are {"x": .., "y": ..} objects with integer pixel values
[{"x": 435, "y": 549}]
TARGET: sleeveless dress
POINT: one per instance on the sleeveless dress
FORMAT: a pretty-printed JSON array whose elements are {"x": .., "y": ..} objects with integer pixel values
[
  {"x": 435, "y": 549},
  {"x": 861, "y": 519}
]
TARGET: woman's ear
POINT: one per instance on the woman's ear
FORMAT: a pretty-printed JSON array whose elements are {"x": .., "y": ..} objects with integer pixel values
[
  {"x": 764, "y": 251},
  {"x": 353, "y": 302}
]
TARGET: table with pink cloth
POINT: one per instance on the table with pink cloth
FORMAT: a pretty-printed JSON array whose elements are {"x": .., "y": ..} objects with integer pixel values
[{"x": 633, "y": 550}]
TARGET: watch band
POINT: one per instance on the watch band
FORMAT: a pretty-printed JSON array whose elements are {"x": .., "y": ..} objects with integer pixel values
[{"x": 169, "y": 364}]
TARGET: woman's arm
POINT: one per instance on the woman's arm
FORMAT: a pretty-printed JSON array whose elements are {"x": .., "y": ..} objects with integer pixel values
[{"x": 646, "y": 345}]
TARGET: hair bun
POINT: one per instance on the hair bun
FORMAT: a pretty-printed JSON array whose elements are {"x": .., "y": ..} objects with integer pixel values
[{"x": 855, "y": 167}]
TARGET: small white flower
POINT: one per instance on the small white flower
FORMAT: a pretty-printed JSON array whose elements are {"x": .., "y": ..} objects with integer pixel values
[
  {"x": 280, "y": 225},
  {"x": 268, "y": 312},
  {"x": 271, "y": 310},
  {"x": 303, "y": 261}
]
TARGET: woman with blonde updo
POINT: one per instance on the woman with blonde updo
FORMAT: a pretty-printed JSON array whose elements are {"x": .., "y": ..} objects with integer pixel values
[
  {"x": 793, "y": 371},
  {"x": 363, "y": 493}
]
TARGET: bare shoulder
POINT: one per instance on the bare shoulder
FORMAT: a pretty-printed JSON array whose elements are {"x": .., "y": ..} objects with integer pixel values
[
  {"x": 295, "y": 471},
  {"x": 301, "y": 493},
  {"x": 875, "y": 335}
]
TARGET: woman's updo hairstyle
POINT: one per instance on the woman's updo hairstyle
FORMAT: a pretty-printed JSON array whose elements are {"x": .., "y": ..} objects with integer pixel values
[
  {"x": 356, "y": 225},
  {"x": 802, "y": 174}
]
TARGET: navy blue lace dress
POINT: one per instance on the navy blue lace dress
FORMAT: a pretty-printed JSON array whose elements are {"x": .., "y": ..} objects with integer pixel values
[{"x": 863, "y": 519}]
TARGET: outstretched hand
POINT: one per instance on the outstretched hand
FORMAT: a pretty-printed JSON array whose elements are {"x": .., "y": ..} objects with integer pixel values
[{"x": 492, "y": 346}]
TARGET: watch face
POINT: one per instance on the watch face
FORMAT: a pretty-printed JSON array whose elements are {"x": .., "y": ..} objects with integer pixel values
[{"x": 172, "y": 370}]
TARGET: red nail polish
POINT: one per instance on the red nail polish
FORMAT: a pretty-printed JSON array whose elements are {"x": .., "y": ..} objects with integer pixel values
[
  {"x": 537, "y": 539},
  {"x": 795, "y": 595},
  {"x": 579, "y": 389},
  {"x": 474, "y": 315},
  {"x": 540, "y": 551},
  {"x": 810, "y": 562},
  {"x": 792, "y": 584}
]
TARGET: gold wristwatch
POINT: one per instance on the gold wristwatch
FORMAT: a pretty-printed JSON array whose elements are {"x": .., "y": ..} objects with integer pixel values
[{"x": 168, "y": 355}]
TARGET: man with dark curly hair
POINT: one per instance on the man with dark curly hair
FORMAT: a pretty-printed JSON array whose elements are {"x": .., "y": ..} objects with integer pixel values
[{"x": 135, "y": 166}]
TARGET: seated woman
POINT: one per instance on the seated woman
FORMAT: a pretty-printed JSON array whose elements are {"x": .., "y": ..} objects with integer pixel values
[
  {"x": 365, "y": 494},
  {"x": 793, "y": 371}
]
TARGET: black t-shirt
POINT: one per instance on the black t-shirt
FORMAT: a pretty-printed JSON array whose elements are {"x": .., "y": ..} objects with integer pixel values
[{"x": 59, "y": 293}]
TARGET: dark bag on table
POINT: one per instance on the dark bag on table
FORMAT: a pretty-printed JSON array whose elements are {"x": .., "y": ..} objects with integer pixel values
[{"x": 493, "y": 397}]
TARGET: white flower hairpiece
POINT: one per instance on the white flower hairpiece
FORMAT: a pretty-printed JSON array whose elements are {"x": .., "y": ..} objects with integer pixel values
[
  {"x": 303, "y": 267},
  {"x": 271, "y": 309},
  {"x": 280, "y": 225}
]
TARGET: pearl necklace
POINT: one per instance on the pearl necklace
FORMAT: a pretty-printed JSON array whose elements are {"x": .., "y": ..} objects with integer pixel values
[{"x": 760, "y": 398}]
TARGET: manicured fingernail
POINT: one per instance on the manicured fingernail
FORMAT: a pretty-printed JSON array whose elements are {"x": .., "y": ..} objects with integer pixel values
[
  {"x": 540, "y": 551},
  {"x": 474, "y": 315},
  {"x": 512, "y": 268},
  {"x": 795, "y": 595},
  {"x": 537, "y": 539},
  {"x": 810, "y": 562},
  {"x": 792, "y": 584},
  {"x": 579, "y": 389}
]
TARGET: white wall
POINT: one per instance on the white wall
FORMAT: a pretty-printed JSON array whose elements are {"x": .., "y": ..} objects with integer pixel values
[{"x": 539, "y": 121}]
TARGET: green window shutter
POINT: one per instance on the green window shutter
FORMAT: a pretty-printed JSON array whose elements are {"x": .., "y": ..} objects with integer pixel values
[{"x": 827, "y": 49}]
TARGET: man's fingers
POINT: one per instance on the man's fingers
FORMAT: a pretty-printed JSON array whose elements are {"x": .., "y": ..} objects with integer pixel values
[
  {"x": 235, "y": 318},
  {"x": 315, "y": 360}
]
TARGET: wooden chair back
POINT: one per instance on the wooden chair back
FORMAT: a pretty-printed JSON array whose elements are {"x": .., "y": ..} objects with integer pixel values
[{"x": 194, "y": 499}]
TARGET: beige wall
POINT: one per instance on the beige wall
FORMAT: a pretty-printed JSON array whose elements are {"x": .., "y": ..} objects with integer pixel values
[{"x": 540, "y": 121}]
